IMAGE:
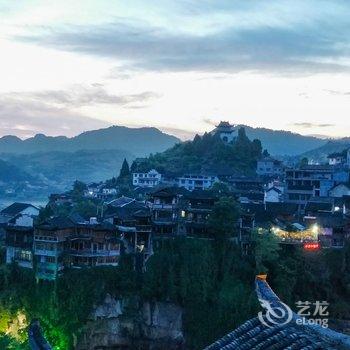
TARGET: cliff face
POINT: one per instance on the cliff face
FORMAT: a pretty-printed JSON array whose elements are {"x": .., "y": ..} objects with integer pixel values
[{"x": 133, "y": 324}]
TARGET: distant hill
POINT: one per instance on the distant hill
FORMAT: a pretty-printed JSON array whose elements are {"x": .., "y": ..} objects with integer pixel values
[
  {"x": 320, "y": 154},
  {"x": 63, "y": 168},
  {"x": 138, "y": 141},
  {"x": 280, "y": 142},
  {"x": 11, "y": 173}
]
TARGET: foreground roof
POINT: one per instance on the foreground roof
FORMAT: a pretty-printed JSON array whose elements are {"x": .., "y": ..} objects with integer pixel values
[
  {"x": 254, "y": 335},
  {"x": 16, "y": 208}
]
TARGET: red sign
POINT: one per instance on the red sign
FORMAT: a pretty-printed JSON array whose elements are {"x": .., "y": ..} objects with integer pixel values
[{"x": 311, "y": 246}]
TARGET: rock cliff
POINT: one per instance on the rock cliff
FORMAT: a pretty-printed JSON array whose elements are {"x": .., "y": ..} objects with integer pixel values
[{"x": 131, "y": 323}]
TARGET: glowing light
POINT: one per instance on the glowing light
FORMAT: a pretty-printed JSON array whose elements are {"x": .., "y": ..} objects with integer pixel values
[
  {"x": 315, "y": 229},
  {"x": 336, "y": 208},
  {"x": 311, "y": 246}
]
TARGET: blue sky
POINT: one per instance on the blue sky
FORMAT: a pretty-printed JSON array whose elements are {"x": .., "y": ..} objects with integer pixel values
[{"x": 70, "y": 66}]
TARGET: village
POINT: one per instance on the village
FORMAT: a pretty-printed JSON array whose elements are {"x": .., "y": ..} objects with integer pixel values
[{"x": 307, "y": 205}]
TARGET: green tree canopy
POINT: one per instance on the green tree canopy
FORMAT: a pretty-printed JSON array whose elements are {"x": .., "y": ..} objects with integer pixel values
[{"x": 223, "y": 219}]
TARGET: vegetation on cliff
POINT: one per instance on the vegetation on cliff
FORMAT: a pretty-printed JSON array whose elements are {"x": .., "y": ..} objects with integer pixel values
[{"x": 211, "y": 279}]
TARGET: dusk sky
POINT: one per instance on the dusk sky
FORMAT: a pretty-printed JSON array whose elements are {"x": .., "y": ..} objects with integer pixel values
[{"x": 181, "y": 66}]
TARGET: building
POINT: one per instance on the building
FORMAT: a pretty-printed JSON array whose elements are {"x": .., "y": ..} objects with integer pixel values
[
  {"x": 18, "y": 220},
  {"x": 25, "y": 211},
  {"x": 49, "y": 245},
  {"x": 312, "y": 181},
  {"x": 62, "y": 242},
  {"x": 19, "y": 245},
  {"x": 134, "y": 226},
  {"x": 246, "y": 189},
  {"x": 166, "y": 207},
  {"x": 337, "y": 158},
  {"x": 270, "y": 167},
  {"x": 151, "y": 179},
  {"x": 226, "y": 131},
  {"x": 197, "y": 182},
  {"x": 273, "y": 194},
  {"x": 340, "y": 190},
  {"x": 120, "y": 202},
  {"x": 93, "y": 245},
  {"x": 195, "y": 211}
]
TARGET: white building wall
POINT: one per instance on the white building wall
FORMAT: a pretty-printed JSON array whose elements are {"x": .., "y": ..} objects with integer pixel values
[
  {"x": 30, "y": 211},
  {"x": 24, "y": 220},
  {"x": 272, "y": 196}
]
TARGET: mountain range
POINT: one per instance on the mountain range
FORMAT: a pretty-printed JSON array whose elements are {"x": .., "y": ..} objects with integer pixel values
[
  {"x": 320, "y": 154},
  {"x": 98, "y": 154},
  {"x": 283, "y": 143},
  {"x": 138, "y": 141},
  {"x": 55, "y": 162}
]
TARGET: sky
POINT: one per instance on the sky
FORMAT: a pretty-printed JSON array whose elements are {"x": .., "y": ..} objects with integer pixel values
[{"x": 180, "y": 65}]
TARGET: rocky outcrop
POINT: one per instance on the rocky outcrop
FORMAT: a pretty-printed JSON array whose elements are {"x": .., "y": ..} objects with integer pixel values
[{"x": 131, "y": 323}]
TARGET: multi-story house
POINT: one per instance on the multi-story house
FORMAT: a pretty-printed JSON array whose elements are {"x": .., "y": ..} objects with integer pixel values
[
  {"x": 197, "y": 181},
  {"x": 165, "y": 205},
  {"x": 18, "y": 221},
  {"x": 93, "y": 245},
  {"x": 150, "y": 179},
  {"x": 134, "y": 227},
  {"x": 269, "y": 167},
  {"x": 61, "y": 242},
  {"x": 49, "y": 246},
  {"x": 196, "y": 210},
  {"x": 312, "y": 181},
  {"x": 19, "y": 244}
]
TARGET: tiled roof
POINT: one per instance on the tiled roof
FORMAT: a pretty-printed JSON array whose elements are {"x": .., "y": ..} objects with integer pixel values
[
  {"x": 254, "y": 335},
  {"x": 58, "y": 222},
  {"x": 121, "y": 201},
  {"x": 15, "y": 208}
]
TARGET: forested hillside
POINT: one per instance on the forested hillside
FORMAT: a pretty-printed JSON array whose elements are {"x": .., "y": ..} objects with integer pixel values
[
  {"x": 11, "y": 173},
  {"x": 206, "y": 154}
]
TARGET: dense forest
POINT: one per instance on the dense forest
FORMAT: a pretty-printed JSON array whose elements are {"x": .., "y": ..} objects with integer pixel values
[
  {"x": 207, "y": 154},
  {"x": 210, "y": 279}
]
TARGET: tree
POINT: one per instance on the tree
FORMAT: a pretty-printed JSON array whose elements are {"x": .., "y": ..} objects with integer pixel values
[
  {"x": 125, "y": 170},
  {"x": 266, "y": 250},
  {"x": 78, "y": 189},
  {"x": 220, "y": 189},
  {"x": 304, "y": 161},
  {"x": 223, "y": 219},
  {"x": 266, "y": 153}
]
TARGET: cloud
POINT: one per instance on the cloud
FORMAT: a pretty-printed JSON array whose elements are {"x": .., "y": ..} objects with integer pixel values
[
  {"x": 338, "y": 92},
  {"x": 26, "y": 118},
  {"x": 210, "y": 122},
  {"x": 180, "y": 133},
  {"x": 314, "y": 47},
  {"x": 312, "y": 125},
  {"x": 80, "y": 96}
]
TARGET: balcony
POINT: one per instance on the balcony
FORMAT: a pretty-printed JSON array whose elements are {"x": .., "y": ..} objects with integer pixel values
[
  {"x": 143, "y": 228},
  {"x": 164, "y": 221},
  {"x": 46, "y": 252},
  {"x": 164, "y": 206},
  {"x": 25, "y": 263},
  {"x": 93, "y": 253},
  {"x": 126, "y": 228}
]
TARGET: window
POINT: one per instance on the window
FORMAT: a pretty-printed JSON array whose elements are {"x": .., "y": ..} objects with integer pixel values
[{"x": 50, "y": 259}]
